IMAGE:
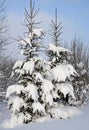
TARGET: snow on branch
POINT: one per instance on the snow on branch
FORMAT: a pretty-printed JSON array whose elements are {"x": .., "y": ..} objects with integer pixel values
[
  {"x": 57, "y": 49},
  {"x": 31, "y": 89},
  {"x": 29, "y": 67},
  {"x": 66, "y": 88},
  {"x": 37, "y": 33},
  {"x": 38, "y": 108},
  {"x": 14, "y": 89},
  {"x": 63, "y": 71},
  {"x": 18, "y": 64}
]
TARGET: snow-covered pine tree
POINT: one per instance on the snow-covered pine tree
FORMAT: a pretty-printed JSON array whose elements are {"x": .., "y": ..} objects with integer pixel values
[
  {"x": 62, "y": 71},
  {"x": 31, "y": 97}
]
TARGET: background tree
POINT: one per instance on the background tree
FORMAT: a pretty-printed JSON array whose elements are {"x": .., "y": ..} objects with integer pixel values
[
  {"x": 5, "y": 62},
  {"x": 3, "y": 28},
  {"x": 5, "y": 77},
  {"x": 80, "y": 60}
]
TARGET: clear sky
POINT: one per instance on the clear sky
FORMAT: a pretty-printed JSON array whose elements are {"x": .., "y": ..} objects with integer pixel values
[{"x": 74, "y": 15}]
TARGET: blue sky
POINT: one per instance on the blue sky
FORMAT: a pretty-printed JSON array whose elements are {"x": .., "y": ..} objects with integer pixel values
[{"x": 74, "y": 15}]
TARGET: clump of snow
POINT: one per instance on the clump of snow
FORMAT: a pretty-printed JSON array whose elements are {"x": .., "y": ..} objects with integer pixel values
[
  {"x": 47, "y": 88},
  {"x": 22, "y": 52},
  {"x": 18, "y": 64},
  {"x": 80, "y": 65},
  {"x": 17, "y": 67},
  {"x": 66, "y": 88},
  {"x": 71, "y": 70},
  {"x": 83, "y": 71},
  {"x": 52, "y": 47},
  {"x": 48, "y": 99},
  {"x": 57, "y": 49},
  {"x": 29, "y": 67},
  {"x": 37, "y": 33},
  {"x": 64, "y": 112},
  {"x": 38, "y": 108},
  {"x": 25, "y": 41},
  {"x": 15, "y": 120},
  {"x": 14, "y": 89},
  {"x": 17, "y": 104},
  {"x": 40, "y": 62},
  {"x": 38, "y": 77},
  {"x": 43, "y": 119},
  {"x": 32, "y": 91},
  {"x": 63, "y": 71}
]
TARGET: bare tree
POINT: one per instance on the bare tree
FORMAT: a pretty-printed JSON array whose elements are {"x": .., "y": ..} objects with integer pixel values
[
  {"x": 80, "y": 53},
  {"x": 5, "y": 63},
  {"x": 5, "y": 76},
  {"x": 4, "y": 40},
  {"x": 80, "y": 60}
]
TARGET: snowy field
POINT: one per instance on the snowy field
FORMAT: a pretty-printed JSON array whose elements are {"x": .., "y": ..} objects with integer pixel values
[{"x": 79, "y": 122}]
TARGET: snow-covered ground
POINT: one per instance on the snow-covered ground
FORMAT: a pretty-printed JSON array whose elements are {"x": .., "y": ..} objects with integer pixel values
[{"x": 79, "y": 122}]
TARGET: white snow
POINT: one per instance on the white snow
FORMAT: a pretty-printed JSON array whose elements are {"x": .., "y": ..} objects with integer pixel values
[
  {"x": 17, "y": 67},
  {"x": 63, "y": 71},
  {"x": 57, "y": 49},
  {"x": 48, "y": 99},
  {"x": 22, "y": 72},
  {"x": 37, "y": 107},
  {"x": 66, "y": 88},
  {"x": 71, "y": 70},
  {"x": 31, "y": 89},
  {"x": 15, "y": 120},
  {"x": 52, "y": 47},
  {"x": 37, "y": 33},
  {"x": 17, "y": 104},
  {"x": 40, "y": 62},
  {"x": 38, "y": 77},
  {"x": 48, "y": 123},
  {"x": 80, "y": 65},
  {"x": 29, "y": 67},
  {"x": 83, "y": 72},
  {"x": 64, "y": 112},
  {"x": 14, "y": 89},
  {"x": 22, "y": 51},
  {"x": 25, "y": 41},
  {"x": 18, "y": 64},
  {"x": 43, "y": 119},
  {"x": 47, "y": 86}
]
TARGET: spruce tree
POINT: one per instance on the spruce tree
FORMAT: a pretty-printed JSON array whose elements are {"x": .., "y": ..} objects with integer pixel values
[
  {"x": 31, "y": 97},
  {"x": 62, "y": 71}
]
